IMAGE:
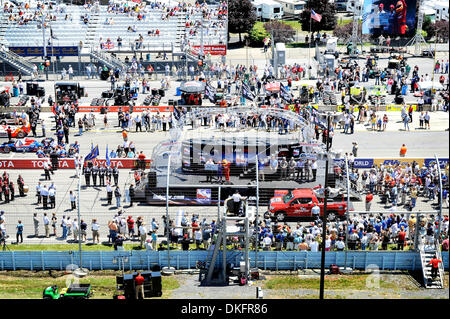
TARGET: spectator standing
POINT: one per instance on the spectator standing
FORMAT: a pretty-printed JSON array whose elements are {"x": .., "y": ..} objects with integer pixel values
[
  {"x": 54, "y": 221},
  {"x": 369, "y": 198},
  {"x": 118, "y": 195},
  {"x": 36, "y": 225},
  {"x": 19, "y": 232},
  {"x": 73, "y": 199},
  {"x": 95, "y": 231},
  {"x": 139, "y": 284},
  {"x": 143, "y": 234},
  {"x": 46, "y": 222}
]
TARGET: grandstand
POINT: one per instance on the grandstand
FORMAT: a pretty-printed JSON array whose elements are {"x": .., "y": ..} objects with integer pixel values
[{"x": 98, "y": 27}]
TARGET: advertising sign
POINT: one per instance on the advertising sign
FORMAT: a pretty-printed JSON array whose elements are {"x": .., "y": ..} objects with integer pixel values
[
  {"x": 204, "y": 195},
  {"x": 211, "y": 49},
  {"x": 39, "y": 51},
  {"x": 442, "y": 161},
  {"x": 358, "y": 162},
  {"x": 67, "y": 163},
  {"x": 389, "y": 17},
  {"x": 86, "y": 108},
  {"x": 397, "y": 161}
]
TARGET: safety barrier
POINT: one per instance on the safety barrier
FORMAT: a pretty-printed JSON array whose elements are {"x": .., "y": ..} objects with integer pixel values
[
  {"x": 267, "y": 260},
  {"x": 403, "y": 161}
]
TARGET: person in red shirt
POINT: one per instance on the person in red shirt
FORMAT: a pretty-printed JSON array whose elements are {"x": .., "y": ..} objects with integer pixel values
[
  {"x": 130, "y": 224},
  {"x": 141, "y": 158},
  {"x": 139, "y": 284},
  {"x": 401, "y": 239},
  {"x": 369, "y": 198},
  {"x": 226, "y": 167},
  {"x": 434, "y": 266}
]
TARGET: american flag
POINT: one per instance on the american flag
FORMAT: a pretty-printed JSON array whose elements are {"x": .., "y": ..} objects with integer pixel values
[{"x": 315, "y": 16}]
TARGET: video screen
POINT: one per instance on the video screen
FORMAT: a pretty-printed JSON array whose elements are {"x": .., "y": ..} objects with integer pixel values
[{"x": 389, "y": 17}]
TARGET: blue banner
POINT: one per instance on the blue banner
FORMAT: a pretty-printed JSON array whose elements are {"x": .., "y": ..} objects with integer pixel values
[
  {"x": 358, "y": 162},
  {"x": 39, "y": 51},
  {"x": 442, "y": 161}
]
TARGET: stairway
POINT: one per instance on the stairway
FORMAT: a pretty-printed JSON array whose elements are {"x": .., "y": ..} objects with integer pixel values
[
  {"x": 108, "y": 59},
  {"x": 17, "y": 62},
  {"x": 353, "y": 194},
  {"x": 94, "y": 22},
  {"x": 426, "y": 254},
  {"x": 206, "y": 274}
]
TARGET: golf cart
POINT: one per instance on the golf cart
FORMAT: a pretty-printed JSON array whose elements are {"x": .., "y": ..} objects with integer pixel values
[
  {"x": 393, "y": 64},
  {"x": 357, "y": 95},
  {"x": 74, "y": 291},
  {"x": 68, "y": 92},
  {"x": 377, "y": 91}
]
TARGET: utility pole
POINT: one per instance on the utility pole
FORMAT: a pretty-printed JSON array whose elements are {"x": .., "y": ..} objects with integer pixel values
[
  {"x": 167, "y": 212},
  {"x": 324, "y": 217},
  {"x": 44, "y": 45}
]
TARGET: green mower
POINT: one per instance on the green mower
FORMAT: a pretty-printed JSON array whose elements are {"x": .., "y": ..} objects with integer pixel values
[{"x": 74, "y": 291}]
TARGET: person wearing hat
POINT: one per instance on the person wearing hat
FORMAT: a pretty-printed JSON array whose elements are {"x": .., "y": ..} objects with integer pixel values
[{"x": 185, "y": 242}]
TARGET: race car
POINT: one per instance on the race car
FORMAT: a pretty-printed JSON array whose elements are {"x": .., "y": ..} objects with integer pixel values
[
  {"x": 8, "y": 118},
  {"x": 16, "y": 131},
  {"x": 23, "y": 145}
]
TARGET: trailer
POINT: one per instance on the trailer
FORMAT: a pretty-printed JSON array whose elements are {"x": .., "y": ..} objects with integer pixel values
[{"x": 268, "y": 10}]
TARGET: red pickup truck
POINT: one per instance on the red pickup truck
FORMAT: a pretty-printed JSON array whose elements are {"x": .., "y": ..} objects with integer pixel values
[{"x": 298, "y": 203}]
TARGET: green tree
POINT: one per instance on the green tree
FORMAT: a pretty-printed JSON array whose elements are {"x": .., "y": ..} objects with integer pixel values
[
  {"x": 257, "y": 34},
  {"x": 241, "y": 17},
  {"x": 323, "y": 7},
  {"x": 428, "y": 27},
  {"x": 281, "y": 32}
]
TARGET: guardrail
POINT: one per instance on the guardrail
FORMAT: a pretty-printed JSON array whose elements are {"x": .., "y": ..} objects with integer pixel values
[{"x": 267, "y": 260}]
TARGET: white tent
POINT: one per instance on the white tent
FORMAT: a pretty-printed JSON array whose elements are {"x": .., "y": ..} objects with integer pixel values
[{"x": 427, "y": 85}]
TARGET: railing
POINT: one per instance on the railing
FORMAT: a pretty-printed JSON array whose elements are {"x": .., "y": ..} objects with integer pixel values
[
  {"x": 439, "y": 256},
  {"x": 267, "y": 260}
]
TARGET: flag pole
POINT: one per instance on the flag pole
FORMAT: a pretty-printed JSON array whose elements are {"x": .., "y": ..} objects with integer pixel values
[{"x": 309, "y": 44}]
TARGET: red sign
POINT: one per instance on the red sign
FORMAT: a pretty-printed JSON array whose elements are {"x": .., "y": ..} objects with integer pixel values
[
  {"x": 67, "y": 163},
  {"x": 211, "y": 49},
  {"x": 161, "y": 109},
  {"x": 120, "y": 162},
  {"x": 37, "y": 163}
]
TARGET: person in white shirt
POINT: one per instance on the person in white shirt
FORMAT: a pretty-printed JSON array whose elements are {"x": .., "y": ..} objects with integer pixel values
[
  {"x": 314, "y": 169},
  {"x": 198, "y": 238},
  {"x": 95, "y": 231},
  {"x": 73, "y": 199},
  {"x": 314, "y": 246},
  {"x": 236, "y": 202},
  {"x": 51, "y": 195},
  {"x": 267, "y": 242},
  {"x": 75, "y": 229},
  {"x": 340, "y": 245},
  {"x": 315, "y": 211},
  {"x": 46, "y": 225},
  {"x": 143, "y": 232}
]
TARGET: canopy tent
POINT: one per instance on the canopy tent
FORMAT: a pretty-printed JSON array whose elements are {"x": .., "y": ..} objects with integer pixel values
[
  {"x": 427, "y": 85},
  {"x": 193, "y": 87},
  {"x": 273, "y": 87}
]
